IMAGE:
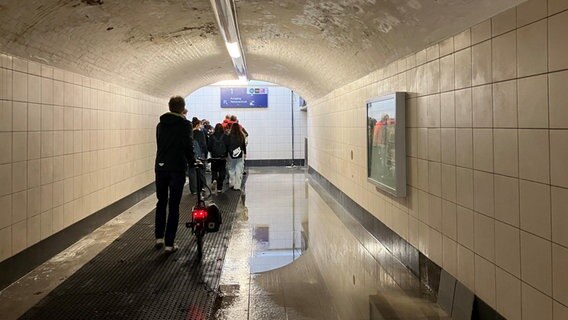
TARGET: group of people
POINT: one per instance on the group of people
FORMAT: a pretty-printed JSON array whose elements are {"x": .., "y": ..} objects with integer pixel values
[
  {"x": 226, "y": 143},
  {"x": 181, "y": 146}
]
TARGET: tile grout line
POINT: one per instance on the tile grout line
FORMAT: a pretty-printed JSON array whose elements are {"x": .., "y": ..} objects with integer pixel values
[
  {"x": 552, "y": 284},
  {"x": 519, "y": 168}
]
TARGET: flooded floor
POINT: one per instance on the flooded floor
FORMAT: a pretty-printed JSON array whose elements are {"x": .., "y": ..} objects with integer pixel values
[{"x": 291, "y": 257}]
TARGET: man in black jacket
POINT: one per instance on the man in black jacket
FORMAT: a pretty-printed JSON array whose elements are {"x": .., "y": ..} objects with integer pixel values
[{"x": 175, "y": 152}]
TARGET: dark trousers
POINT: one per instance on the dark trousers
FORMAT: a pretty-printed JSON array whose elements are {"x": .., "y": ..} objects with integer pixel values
[
  {"x": 218, "y": 172},
  {"x": 169, "y": 188},
  {"x": 193, "y": 176}
]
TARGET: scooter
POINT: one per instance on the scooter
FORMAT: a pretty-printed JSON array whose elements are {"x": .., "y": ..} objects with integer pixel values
[{"x": 205, "y": 217}]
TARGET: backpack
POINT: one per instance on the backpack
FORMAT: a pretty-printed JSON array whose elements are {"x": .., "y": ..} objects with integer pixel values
[
  {"x": 196, "y": 150},
  {"x": 214, "y": 218},
  {"x": 218, "y": 148}
]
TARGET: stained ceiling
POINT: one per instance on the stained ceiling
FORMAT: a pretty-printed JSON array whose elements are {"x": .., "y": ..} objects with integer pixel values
[{"x": 165, "y": 47}]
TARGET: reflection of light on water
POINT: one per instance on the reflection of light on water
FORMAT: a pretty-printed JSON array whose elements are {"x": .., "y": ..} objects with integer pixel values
[
  {"x": 362, "y": 276},
  {"x": 277, "y": 217},
  {"x": 336, "y": 278}
]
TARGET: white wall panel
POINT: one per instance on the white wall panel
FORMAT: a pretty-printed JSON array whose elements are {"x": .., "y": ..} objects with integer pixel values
[{"x": 270, "y": 129}]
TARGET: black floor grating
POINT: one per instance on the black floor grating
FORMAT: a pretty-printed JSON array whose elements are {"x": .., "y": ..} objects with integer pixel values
[{"x": 130, "y": 279}]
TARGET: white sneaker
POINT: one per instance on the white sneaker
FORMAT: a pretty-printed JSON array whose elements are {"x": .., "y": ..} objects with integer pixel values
[
  {"x": 159, "y": 242},
  {"x": 171, "y": 249},
  {"x": 214, "y": 186}
]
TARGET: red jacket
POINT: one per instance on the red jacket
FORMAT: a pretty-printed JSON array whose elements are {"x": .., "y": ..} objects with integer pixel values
[{"x": 226, "y": 123}]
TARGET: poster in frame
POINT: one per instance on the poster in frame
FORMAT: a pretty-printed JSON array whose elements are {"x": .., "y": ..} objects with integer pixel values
[{"x": 386, "y": 143}]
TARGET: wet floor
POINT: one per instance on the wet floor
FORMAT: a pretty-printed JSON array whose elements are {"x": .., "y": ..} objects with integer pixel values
[
  {"x": 22, "y": 295},
  {"x": 291, "y": 257}
]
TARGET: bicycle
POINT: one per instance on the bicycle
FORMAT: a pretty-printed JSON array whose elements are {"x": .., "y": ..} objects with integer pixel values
[{"x": 204, "y": 217}]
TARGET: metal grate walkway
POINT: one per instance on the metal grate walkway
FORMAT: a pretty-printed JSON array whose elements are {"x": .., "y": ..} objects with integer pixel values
[{"x": 131, "y": 279}]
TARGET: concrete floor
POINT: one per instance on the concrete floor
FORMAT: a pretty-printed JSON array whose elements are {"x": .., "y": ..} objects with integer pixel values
[{"x": 290, "y": 257}]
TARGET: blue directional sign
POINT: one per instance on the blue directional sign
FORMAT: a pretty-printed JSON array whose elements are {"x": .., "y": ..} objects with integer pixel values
[{"x": 250, "y": 97}]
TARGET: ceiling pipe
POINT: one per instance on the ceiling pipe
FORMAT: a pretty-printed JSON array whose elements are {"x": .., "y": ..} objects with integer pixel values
[{"x": 226, "y": 15}]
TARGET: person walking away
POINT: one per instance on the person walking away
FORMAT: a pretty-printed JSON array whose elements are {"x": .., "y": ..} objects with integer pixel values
[
  {"x": 200, "y": 152},
  {"x": 237, "y": 155},
  {"x": 199, "y": 137},
  {"x": 207, "y": 129},
  {"x": 234, "y": 118},
  {"x": 174, "y": 153},
  {"x": 218, "y": 144}
]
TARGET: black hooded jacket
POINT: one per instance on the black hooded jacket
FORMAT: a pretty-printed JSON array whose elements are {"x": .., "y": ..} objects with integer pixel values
[{"x": 175, "y": 146}]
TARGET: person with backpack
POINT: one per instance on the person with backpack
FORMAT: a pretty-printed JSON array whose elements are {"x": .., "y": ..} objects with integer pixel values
[
  {"x": 200, "y": 152},
  {"x": 218, "y": 144},
  {"x": 237, "y": 155},
  {"x": 234, "y": 119}
]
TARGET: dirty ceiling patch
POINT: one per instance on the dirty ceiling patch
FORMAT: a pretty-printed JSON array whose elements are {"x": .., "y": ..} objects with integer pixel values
[{"x": 93, "y": 2}]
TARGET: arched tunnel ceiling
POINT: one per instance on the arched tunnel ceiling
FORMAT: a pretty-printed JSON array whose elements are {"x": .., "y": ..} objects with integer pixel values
[{"x": 165, "y": 47}]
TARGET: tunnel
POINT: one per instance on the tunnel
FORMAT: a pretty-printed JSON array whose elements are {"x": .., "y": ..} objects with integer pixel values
[{"x": 406, "y": 159}]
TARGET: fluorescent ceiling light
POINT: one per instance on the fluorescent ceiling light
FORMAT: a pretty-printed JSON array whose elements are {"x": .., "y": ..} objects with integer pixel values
[
  {"x": 234, "y": 49},
  {"x": 226, "y": 16}
]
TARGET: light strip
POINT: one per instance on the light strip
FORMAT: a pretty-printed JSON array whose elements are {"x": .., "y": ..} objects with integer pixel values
[
  {"x": 225, "y": 13},
  {"x": 234, "y": 50}
]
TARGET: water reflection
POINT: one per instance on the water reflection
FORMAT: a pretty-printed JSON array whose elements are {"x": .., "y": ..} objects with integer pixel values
[
  {"x": 337, "y": 278},
  {"x": 277, "y": 215},
  {"x": 313, "y": 267}
]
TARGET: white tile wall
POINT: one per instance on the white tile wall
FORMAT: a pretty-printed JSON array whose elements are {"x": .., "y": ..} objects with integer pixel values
[
  {"x": 69, "y": 146},
  {"x": 494, "y": 135},
  {"x": 270, "y": 129}
]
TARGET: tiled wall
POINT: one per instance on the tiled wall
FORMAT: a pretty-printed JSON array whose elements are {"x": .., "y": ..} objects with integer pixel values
[
  {"x": 270, "y": 129},
  {"x": 69, "y": 146},
  {"x": 487, "y": 147}
]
